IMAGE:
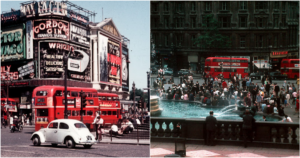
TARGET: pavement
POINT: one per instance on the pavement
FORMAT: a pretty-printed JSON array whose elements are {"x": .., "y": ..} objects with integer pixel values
[{"x": 159, "y": 149}]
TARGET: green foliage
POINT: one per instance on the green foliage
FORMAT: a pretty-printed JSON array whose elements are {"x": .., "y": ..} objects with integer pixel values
[
  {"x": 138, "y": 92},
  {"x": 211, "y": 37}
]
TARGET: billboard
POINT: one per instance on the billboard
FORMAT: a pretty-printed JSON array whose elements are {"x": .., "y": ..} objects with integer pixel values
[
  {"x": 29, "y": 40},
  {"x": 18, "y": 70},
  {"x": 114, "y": 62},
  {"x": 51, "y": 60},
  {"x": 79, "y": 35},
  {"x": 102, "y": 47},
  {"x": 10, "y": 17},
  {"x": 51, "y": 28},
  {"x": 125, "y": 70},
  {"x": 13, "y": 43}
]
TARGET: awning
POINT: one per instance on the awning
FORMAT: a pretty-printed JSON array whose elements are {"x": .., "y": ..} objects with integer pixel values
[{"x": 263, "y": 65}]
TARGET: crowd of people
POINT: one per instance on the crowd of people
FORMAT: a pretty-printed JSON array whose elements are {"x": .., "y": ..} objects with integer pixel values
[
  {"x": 25, "y": 119},
  {"x": 217, "y": 91}
]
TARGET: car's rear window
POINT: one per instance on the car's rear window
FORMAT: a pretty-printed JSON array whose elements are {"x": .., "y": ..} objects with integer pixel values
[{"x": 80, "y": 125}]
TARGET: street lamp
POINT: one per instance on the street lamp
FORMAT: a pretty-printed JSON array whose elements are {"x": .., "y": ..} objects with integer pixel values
[
  {"x": 133, "y": 89},
  {"x": 7, "y": 82},
  {"x": 270, "y": 47},
  {"x": 65, "y": 59},
  {"x": 148, "y": 86}
]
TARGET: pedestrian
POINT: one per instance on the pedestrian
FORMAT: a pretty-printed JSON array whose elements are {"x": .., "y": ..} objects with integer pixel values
[
  {"x": 276, "y": 89},
  {"x": 30, "y": 119},
  {"x": 99, "y": 125},
  {"x": 211, "y": 123},
  {"x": 247, "y": 100},
  {"x": 287, "y": 101},
  {"x": 268, "y": 88},
  {"x": 248, "y": 123},
  {"x": 264, "y": 118},
  {"x": 258, "y": 101}
]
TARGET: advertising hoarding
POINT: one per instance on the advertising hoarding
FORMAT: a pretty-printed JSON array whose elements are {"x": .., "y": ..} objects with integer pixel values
[
  {"x": 114, "y": 62},
  {"x": 29, "y": 40},
  {"x": 10, "y": 17},
  {"x": 102, "y": 47},
  {"x": 125, "y": 70},
  {"x": 51, "y": 28},
  {"x": 79, "y": 34}
]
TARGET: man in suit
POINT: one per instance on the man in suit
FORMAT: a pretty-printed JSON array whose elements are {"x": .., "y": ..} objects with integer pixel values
[
  {"x": 277, "y": 89},
  {"x": 248, "y": 123},
  {"x": 211, "y": 123}
]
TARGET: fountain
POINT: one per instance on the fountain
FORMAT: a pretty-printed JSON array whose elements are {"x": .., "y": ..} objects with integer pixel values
[{"x": 155, "y": 110}]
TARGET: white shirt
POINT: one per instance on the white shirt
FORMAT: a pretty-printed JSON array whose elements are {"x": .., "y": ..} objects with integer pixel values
[
  {"x": 225, "y": 90},
  {"x": 235, "y": 93},
  {"x": 294, "y": 94},
  {"x": 114, "y": 128},
  {"x": 129, "y": 124}
]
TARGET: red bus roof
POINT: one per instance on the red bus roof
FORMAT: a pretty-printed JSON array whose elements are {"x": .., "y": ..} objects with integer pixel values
[
  {"x": 51, "y": 89},
  {"x": 108, "y": 94},
  {"x": 9, "y": 99},
  {"x": 225, "y": 58},
  {"x": 290, "y": 60}
]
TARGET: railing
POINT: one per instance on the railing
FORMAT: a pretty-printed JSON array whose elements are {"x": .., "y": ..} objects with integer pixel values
[{"x": 282, "y": 133}]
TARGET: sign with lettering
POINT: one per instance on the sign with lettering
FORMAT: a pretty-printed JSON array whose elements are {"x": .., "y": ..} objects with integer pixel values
[
  {"x": 45, "y": 29},
  {"x": 125, "y": 70},
  {"x": 78, "y": 17},
  {"x": 51, "y": 60},
  {"x": 79, "y": 35},
  {"x": 279, "y": 54},
  {"x": 114, "y": 62},
  {"x": 29, "y": 40},
  {"x": 13, "y": 43},
  {"x": 228, "y": 64},
  {"x": 43, "y": 8},
  {"x": 27, "y": 69},
  {"x": 10, "y": 17},
  {"x": 11, "y": 73}
]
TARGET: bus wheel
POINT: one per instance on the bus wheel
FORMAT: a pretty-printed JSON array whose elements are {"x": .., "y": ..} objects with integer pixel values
[
  {"x": 70, "y": 143},
  {"x": 36, "y": 141}
]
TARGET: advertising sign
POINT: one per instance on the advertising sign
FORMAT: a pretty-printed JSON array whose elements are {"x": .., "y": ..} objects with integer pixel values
[
  {"x": 51, "y": 60},
  {"x": 13, "y": 43},
  {"x": 125, "y": 70},
  {"x": 51, "y": 28},
  {"x": 10, "y": 17},
  {"x": 78, "y": 17},
  {"x": 79, "y": 35},
  {"x": 27, "y": 69},
  {"x": 102, "y": 47},
  {"x": 43, "y": 8},
  {"x": 29, "y": 40},
  {"x": 114, "y": 62}
]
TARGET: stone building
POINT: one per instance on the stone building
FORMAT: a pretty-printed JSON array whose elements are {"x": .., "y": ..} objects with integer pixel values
[{"x": 258, "y": 30}]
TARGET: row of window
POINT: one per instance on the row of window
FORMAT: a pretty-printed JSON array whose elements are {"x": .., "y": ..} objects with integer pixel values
[
  {"x": 260, "y": 40},
  {"x": 293, "y": 70},
  {"x": 44, "y": 112},
  {"x": 8, "y": 102},
  {"x": 62, "y": 125},
  {"x": 224, "y": 6},
  {"x": 224, "y": 21},
  {"x": 292, "y": 61},
  {"x": 225, "y": 70},
  {"x": 227, "y": 60}
]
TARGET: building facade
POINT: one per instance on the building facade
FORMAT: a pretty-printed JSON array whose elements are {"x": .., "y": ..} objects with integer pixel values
[
  {"x": 35, "y": 39},
  {"x": 265, "y": 31}
]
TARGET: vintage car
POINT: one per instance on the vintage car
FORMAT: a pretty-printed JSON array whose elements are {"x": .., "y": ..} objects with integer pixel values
[
  {"x": 64, "y": 131},
  {"x": 182, "y": 72}
]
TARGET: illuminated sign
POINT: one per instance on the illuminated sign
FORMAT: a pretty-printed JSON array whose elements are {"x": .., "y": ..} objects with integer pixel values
[
  {"x": 12, "y": 43},
  {"x": 114, "y": 62},
  {"x": 280, "y": 53},
  {"x": 11, "y": 16},
  {"x": 5, "y": 69},
  {"x": 125, "y": 70},
  {"x": 51, "y": 29},
  {"x": 42, "y": 8},
  {"x": 105, "y": 105},
  {"x": 27, "y": 69},
  {"x": 232, "y": 64},
  {"x": 78, "y": 17},
  {"x": 79, "y": 35}
]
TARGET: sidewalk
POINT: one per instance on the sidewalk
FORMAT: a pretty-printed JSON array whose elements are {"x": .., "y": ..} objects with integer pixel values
[
  {"x": 106, "y": 139},
  {"x": 159, "y": 149}
]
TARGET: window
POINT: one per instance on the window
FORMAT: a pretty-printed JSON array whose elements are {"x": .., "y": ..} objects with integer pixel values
[
  {"x": 58, "y": 93},
  {"x": 154, "y": 7},
  {"x": 166, "y": 7},
  {"x": 207, "y": 6},
  {"x": 242, "y": 41},
  {"x": 283, "y": 6},
  {"x": 193, "y": 22},
  {"x": 243, "y": 21},
  {"x": 179, "y": 22},
  {"x": 285, "y": 62},
  {"x": 166, "y": 38},
  {"x": 80, "y": 125},
  {"x": 224, "y": 22},
  {"x": 179, "y": 39},
  {"x": 193, "y": 40},
  {"x": 38, "y": 100},
  {"x": 225, "y": 5},
  {"x": 53, "y": 125},
  {"x": 208, "y": 60},
  {"x": 88, "y": 94},
  {"x": 259, "y": 41},
  {"x": 74, "y": 94},
  {"x": 103, "y": 112},
  {"x": 95, "y": 95},
  {"x": 275, "y": 41},
  {"x": 243, "y": 5},
  {"x": 89, "y": 113},
  {"x": 166, "y": 22},
  {"x": 275, "y": 21},
  {"x": 295, "y": 70},
  {"x": 75, "y": 113},
  {"x": 193, "y": 6},
  {"x": 294, "y": 62},
  {"x": 108, "y": 112},
  {"x": 179, "y": 7},
  {"x": 154, "y": 22},
  {"x": 206, "y": 21},
  {"x": 261, "y": 5},
  {"x": 276, "y": 5},
  {"x": 41, "y": 93},
  {"x": 109, "y": 98},
  {"x": 42, "y": 112},
  {"x": 114, "y": 112},
  {"x": 103, "y": 98},
  {"x": 115, "y": 98},
  {"x": 283, "y": 20},
  {"x": 260, "y": 22},
  {"x": 63, "y": 126}
]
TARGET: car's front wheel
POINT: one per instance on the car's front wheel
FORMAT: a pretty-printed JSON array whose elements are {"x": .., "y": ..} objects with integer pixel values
[
  {"x": 70, "y": 143},
  {"x": 87, "y": 146},
  {"x": 36, "y": 140}
]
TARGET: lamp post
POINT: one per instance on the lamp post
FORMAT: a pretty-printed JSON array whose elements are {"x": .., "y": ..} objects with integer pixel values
[
  {"x": 65, "y": 80},
  {"x": 7, "y": 82},
  {"x": 133, "y": 89},
  {"x": 148, "y": 86},
  {"x": 270, "y": 47}
]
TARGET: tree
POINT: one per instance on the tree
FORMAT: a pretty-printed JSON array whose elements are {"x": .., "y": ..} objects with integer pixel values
[
  {"x": 211, "y": 37},
  {"x": 138, "y": 92}
]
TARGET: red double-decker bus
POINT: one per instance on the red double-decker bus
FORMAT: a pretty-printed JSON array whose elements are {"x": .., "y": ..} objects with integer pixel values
[
  {"x": 49, "y": 104},
  {"x": 230, "y": 65},
  {"x": 290, "y": 67},
  {"x": 110, "y": 107},
  {"x": 12, "y": 106}
]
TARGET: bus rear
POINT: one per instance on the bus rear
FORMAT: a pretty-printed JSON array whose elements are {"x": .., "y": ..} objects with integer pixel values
[
  {"x": 290, "y": 67},
  {"x": 110, "y": 107}
]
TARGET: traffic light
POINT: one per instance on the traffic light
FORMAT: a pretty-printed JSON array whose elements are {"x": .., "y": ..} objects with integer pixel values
[{"x": 83, "y": 100}]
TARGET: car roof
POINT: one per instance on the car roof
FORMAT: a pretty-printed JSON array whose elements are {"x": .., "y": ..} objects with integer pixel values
[{"x": 67, "y": 121}]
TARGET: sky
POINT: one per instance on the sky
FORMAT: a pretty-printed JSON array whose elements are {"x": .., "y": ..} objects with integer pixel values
[{"x": 132, "y": 19}]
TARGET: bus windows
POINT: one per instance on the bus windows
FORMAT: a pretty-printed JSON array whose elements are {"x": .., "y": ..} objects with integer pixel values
[
  {"x": 58, "y": 93},
  {"x": 295, "y": 70},
  {"x": 246, "y": 70},
  {"x": 109, "y": 98},
  {"x": 285, "y": 61},
  {"x": 295, "y": 62},
  {"x": 285, "y": 70},
  {"x": 95, "y": 95},
  {"x": 89, "y": 113},
  {"x": 42, "y": 112},
  {"x": 88, "y": 94},
  {"x": 208, "y": 60},
  {"x": 53, "y": 125},
  {"x": 103, "y": 112},
  {"x": 103, "y": 98},
  {"x": 114, "y": 112},
  {"x": 108, "y": 112},
  {"x": 115, "y": 99},
  {"x": 41, "y": 93},
  {"x": 74, "y": 94}
]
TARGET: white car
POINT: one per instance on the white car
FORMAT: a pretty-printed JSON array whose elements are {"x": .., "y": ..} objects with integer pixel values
[{"x": 64, "y": 131}]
